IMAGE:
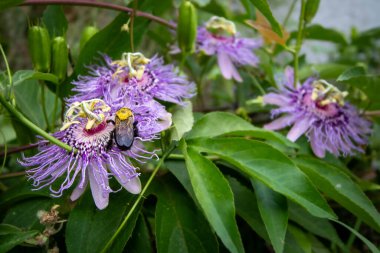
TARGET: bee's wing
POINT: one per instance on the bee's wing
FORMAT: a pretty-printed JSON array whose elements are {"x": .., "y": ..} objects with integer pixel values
[{"x": 124, "y": 133}]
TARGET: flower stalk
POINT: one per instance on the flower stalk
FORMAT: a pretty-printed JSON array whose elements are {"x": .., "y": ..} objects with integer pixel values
[{"x": 301, "y": 26}]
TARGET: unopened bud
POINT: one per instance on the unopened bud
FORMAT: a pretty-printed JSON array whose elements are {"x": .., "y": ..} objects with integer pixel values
[
  {"x": 187, "y": 27},
  {"x": 39, "y": 47},
  {"x": 87, "y": 33},
  {"x": 60, "y": 58},
  {"x": 311, "y": 8}
]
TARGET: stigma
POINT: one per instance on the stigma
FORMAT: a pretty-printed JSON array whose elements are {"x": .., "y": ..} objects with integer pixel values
[{"x": 325, "y": 93}]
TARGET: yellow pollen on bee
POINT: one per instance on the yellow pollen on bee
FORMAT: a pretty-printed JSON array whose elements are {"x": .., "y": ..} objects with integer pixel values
[{"x": 124, "y": 113}]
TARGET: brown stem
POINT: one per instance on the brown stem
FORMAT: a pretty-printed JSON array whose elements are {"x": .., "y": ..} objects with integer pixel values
[
  {"x": 18, "y": 149},
  {"x": 12, "y": 174},
  {"x": 372, "y": 113},
  {"x": 103, "y": 5}
]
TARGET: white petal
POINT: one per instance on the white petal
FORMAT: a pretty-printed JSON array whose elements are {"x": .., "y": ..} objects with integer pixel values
[
  {"x": 279, "y": 123},
  {"x": 96, "y": 179},
  {"x": 299, "y": 128}
]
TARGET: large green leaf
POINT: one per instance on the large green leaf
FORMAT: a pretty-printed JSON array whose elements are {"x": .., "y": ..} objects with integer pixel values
[
  {"x": 224, "y": 123},
  {"x": 318, "y": 32},
  {"x": 341, "y": 188},
  {"x": 183, "y": 120},
  {"x": 264, "y": 8},
  {"x": 370, "y": 85},
  {"x": 350, "y": 73},
  {"x": 246, "y": 207},
  {"x": 274, "y": 212},
  {"x": 141, "y": 238},
  {"x": 263, "y": 162},
  {"x": 89, "y": 229},
  {"x": 317, "y": 226},
  {"x": 215, "y": 198},
  {"x": 180, "y": 227},
  {"x": 11, "y": 236},
  {"x": 324, "y": 71}
]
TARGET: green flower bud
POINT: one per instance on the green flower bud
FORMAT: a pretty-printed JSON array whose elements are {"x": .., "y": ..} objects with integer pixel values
[
  {"x": 60, "y": 58},
  {"x": 39, "y": 48},
  {"x": 87, "y": 33},
  {"x": 187, "y": 27},
  {"x": 310, "y": 10}
]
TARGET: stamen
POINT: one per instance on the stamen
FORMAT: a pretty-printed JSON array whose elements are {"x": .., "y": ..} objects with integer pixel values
[
  {"x": 219, "y": 25},
  {"x": 135, "y": 62},
  {"x": 326, "y": 93}
]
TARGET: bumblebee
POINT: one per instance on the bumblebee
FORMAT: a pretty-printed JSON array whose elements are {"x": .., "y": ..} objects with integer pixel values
[{"x": 125, "y": 128}]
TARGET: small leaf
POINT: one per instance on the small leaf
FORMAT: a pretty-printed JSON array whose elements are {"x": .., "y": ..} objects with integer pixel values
[
  {"x": 263, "y": 27},
  {"x": 350, "y": 73},
  {"x": 11, "y": 236},
  {"x": 274, "y": 212},
  {"x": 323, "y": 71},
  {"x": 341, "y": 188},
  {"x": 183, "y": 120},
  {"x": 55, "y": 21},
  {"x": 180, "y": 227},
  {"x": 264, "y": 8},
  {"x": 215, "y": 197},
  {"x": 141, "y": 238},
  {"x": 311, "y": 9},
  {"x": 318, "y": 32},
  {"x": 301, "y": 238},
  {"x": 370, "y": 245},
  {"x": 270, "y": 166},
  {"x": 24, "y": 75},
  {"x": 89, "y": 229}
]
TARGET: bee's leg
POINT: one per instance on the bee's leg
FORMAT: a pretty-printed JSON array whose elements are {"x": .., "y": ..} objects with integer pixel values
[
  {"x": 110, "y": 121},
  {"x": 135, "y": 129},
  {"x": 110, "y": 142}
]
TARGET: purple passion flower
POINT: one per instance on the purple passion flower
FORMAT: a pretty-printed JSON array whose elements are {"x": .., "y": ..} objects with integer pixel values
[
  {"x": 89, "y": 129},
  {"x": 133, "y": 74},
  {"x": 317, "y": 109},
  {"x": 218, "y": 37}
]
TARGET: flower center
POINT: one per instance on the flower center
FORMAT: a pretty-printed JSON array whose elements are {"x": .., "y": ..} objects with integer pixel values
[
  {"x": 219, "y": 26},
  {"x": 324, "y": 94},
  {"x": 135, "y": 62}
]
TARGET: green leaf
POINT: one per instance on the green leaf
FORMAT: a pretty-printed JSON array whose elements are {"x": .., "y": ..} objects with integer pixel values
[
  {"x": 55, "y": 21},
  {"x": 311, "y": 9},
  {"x": 264, "y": 8},
  {"x": 24, "y": 213},
  {"x": 247, "y": 208},
  {"x": 350, "y": 73},
  {"x": 180, "y": 227},
  {"x": 301, "y": 238},
  {"x": 324, "y": 71},
  {"x": 341, "y": 188},
  {"x": 11, "y": 236},
  {"x": 318, "y": 32},
  {"x": 7, "y": 133},
  {"x": 263, "y": 162},
  {"x": 111, "y": 40},
  {"x": 215, "y": 197},
  {"x": 89, "y": 229},
  {"x": 274, "y": 212},
  {"x": 23, "y": 75},
  {"x": 183, "y": 120},
  {"x": 4, "y": 4},
  {"x": 370, "y": 245},
  {"x": 317, "y": 226},
  {"x": 141, "y": 238},
  {"x": 229, "y": 124},
  {"x": 370, "y": 85}
]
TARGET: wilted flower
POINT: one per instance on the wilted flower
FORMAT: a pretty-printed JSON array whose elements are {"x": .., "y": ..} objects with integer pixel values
[
  {"x": 133, "y": 74},
  {"x": 89, "y": 129},
  {"x": 317, "y": 109},
  {"x": 219, "y": 37}
]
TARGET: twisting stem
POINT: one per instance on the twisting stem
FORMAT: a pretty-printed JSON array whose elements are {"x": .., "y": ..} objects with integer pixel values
[
  {"x": 91, "y": 3},
  {"x": 32, "y": 126},
  {"x": 372, "y": 113},
  {"x": 133, "y": 14},
  {"x": 141, "y": 195},
  {"x": 12, "y": 174},
  {"x": 17, "y": 149},
  {"x": 301, "y": 24},
  {"x": 7, "y": 66},
  {"x": 290, "y": 11},
  {"x": 351, "y": 239}
]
